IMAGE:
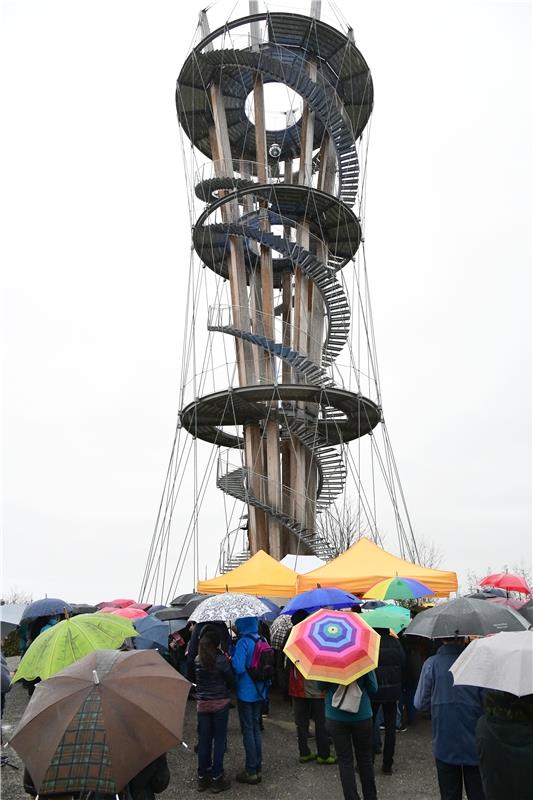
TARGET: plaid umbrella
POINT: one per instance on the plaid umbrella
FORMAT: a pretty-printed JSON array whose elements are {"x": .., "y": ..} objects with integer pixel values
[
  {"x": 336, "y": 646},
  {"x": 95, "y": 725},
  {"x": 279, "y": 631}
]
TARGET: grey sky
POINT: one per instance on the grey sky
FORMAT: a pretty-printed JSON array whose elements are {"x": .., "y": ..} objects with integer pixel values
[{"x": 96, "y": 252}]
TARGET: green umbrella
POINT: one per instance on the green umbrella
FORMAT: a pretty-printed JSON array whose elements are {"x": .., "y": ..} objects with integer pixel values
[
  {"x": 394, "y": 617},
  {"x": 70, "y": 640}
]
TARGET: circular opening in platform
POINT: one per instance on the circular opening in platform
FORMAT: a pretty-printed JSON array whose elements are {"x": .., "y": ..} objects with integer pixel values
[{"x": 283, "y": 106}]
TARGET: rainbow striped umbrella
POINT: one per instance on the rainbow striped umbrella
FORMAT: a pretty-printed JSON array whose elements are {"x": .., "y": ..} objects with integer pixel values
[
  {"x": 399, "y": 589},
  {"x": 334, "y": 646}
]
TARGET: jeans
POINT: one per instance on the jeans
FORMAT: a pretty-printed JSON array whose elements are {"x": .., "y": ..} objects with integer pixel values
[
  {"x": 389, "y": 719},
  {"x": 250, "y": 719},
  {"x": 212, "y": 731},
  {"x": 406, "y": 703},
  {"x": 451, "y": 779},
  {"x": 306, "y": 709},
  {"x": 350, "y": 738}
]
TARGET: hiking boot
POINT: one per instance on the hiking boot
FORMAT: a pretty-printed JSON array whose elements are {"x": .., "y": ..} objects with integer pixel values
[
  {"x": 220, "y": 784},
  {"x": 328, "y": 760},
  {"x": 247, "y": 777},
  {"x": 203, "y": 783},
  {"x": 386, "y": 770},
  {"x": 308, "y": 758}
]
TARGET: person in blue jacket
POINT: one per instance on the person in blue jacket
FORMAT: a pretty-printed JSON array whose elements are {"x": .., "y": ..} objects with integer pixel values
[
  {"x": 352, "y": 734},
  {"x": 250, "y": 698},
  {"x": 455, "y": 711}
]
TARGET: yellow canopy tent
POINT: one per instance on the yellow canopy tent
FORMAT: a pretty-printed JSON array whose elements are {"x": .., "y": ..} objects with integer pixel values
[
  {"x": 261, "y": 575},
  {"x": 364, "y": 564}
]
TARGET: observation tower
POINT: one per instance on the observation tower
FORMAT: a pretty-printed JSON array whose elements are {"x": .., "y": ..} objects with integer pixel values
[{"x": 276, "y": 231}]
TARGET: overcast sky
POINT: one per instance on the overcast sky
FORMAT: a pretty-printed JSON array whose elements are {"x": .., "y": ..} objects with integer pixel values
[{"x": 95, "y": 253}]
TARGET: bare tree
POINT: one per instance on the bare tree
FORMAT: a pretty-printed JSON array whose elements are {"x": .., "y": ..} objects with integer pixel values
[
  {"x": 342, "y": 526},
  {"x": 16, "y": 595},
  {"x": 429, "y": 554}
]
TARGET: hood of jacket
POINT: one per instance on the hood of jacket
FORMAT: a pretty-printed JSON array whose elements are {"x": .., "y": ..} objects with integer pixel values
[{"x": 247, "y": 625}]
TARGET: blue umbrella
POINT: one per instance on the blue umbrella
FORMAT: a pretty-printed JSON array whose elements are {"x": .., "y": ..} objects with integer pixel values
[
  {"x": 47, "y": 607},
  {"x": 274, "y": 612},
  {"x": 152, "y": 633},
  {"x": 320, "y": 598},
  {"x": 153, "y": 609}
]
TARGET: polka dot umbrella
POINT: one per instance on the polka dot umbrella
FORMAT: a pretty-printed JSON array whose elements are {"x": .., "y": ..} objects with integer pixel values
[{"x": 334, "y": 646}]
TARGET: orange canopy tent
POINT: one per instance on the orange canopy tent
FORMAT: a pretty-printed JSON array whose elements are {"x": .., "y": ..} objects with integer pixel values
[
  {"x": 365, "y": 564},
  {"x": 261, "y": 575}
]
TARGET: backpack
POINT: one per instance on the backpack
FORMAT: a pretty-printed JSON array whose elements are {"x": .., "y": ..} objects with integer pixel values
[{"x": 262, "y": 665}]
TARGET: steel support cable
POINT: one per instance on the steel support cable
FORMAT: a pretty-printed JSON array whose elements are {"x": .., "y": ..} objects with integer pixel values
[
  {"x": 397, "y": 474},
  {"x": 363, "y": 499},
  {"x": 178, "y": 571}
]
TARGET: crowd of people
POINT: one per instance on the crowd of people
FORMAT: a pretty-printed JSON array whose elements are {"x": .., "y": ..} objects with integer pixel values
[{"x": 482, "y": 740}]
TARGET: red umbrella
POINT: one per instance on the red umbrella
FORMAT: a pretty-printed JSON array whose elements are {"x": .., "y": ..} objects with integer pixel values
[
  {"x": 507, "y": 581},
  {"x": 129, "y": 613},
  {"x": 142, "y": 606}
]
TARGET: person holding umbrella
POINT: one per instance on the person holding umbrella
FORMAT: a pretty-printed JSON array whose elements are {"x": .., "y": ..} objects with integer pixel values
[
  {"x": 389, "y": 674},
  {"x": 455, "y": 711}
]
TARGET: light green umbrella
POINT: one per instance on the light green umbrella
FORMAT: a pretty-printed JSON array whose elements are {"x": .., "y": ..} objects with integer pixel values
[
  {"x": 394, "y": 617},
  {"x": 70, "y": 640}
]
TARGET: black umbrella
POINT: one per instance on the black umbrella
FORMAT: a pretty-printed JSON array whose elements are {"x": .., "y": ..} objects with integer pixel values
[
  {"x": 82, "y": 608},
  {"x": 183, "y": 612},
  {"x": 182, "y": 599},
  {"x": 465, "y": 617},
  {"x": 526, "y": 611},
  {"x": 486, "y": 594}
]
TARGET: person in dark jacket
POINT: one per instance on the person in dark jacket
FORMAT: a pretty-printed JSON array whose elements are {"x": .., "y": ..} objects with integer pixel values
[
  {"x": 308, "y": 704},
  {"x": 504, "y": 740},
  {"x": 389, "y": 674},
  {"x": 151, "y": 780},
  {"x": 214, "y": 683},
  {"x": 352, "y": 733},
  {"x": 455, "y": 711},
  {"x": 192, "y": 648},
  {"x": 251, "y": 695},
  {"x": 6, "y": 681}
]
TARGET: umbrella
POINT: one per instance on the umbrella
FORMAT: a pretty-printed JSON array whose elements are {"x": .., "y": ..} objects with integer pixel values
[
  {"x": 273, "y": 610},
  {"x": 465, "y": 617},
  {"x": 128, "y": 613},
  {"x": 503, "y": 662},
  {"x": 507, "y": 581},
  {"x": 394, "y": 617},
  {"x": 486, "y": 593},
  {"x": 319, "y": 598},
  {"x": 510, "y": 602},
  {"x": 279, "y": 630},
  {"x": 369, "y": 604},
  {"x": 142, "y": 606},
  {"x": 399, "y": 589},
  {"x": 121, "y": 602},
  {"x": 229, "y": 605},
  {"x": 70, "y": 640},
  {"x": 10, "y": 617},
  {"x": 182, "y": 599},
  {"x": 155, "y": 608},
  {"x": 336, "y": 646},
  {"x": 526, "y": 611},
  {"x": 153, "y": 633},
  {"x": 95, "y": 725},
  {"x": 47, "y": 607},
  {"x": 82, "y": 608}
]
